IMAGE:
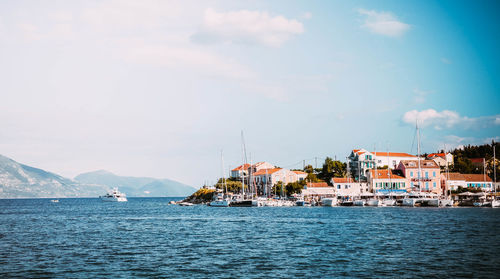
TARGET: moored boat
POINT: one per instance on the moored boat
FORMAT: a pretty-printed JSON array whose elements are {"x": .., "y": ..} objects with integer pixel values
[{"x": 114, "y": 196}]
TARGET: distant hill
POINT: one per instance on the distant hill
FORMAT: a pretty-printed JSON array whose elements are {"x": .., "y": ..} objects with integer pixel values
[
  {"x": 137, "y": 186},
  {"x": 22, "y": 181}
]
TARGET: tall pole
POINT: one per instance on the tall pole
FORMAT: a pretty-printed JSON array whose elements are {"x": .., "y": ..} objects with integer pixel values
[
  {"x": 418, "y": 157},
  {"x": 243, "y": 166},
  {"x": 494, "y": 168}
]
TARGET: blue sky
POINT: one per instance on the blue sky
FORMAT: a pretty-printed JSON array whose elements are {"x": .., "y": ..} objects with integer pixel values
[{"x": 158, "y": 88}]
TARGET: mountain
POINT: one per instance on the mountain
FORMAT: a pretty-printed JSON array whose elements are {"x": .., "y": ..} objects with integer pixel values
[
  {"x": 137, "y": 186},
  {"x": 22, "y": 181}
]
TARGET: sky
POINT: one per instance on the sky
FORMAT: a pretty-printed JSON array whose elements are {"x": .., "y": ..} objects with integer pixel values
[{"x": 160, "y": 88}]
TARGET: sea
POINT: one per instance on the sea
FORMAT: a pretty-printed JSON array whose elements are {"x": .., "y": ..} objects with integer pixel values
[{"x": 147, "y": 237}]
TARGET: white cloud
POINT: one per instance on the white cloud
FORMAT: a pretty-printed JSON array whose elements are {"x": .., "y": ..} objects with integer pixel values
[
  {"x": 247, "y": 27},
  {"x": 448, "y": 119},
  {"x": 383, "y": 23}
]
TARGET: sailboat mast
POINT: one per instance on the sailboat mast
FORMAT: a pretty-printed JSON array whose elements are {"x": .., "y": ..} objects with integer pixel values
[
  {"x": 418, "y": 157},
  {"x": 494, "y": 168},
  {"x": 243, "y": 166},
  {"x": 223, "y": 174}
]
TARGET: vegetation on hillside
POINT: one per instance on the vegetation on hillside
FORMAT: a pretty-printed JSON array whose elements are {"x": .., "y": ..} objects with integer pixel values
[
  {"x": 463, "y": 164},
  {"x": 201, "y": 196}
]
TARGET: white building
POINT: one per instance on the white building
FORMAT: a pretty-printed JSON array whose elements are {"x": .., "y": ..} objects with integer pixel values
[
  {"x": 442, "y": 159},
  {"x": 245, "y": 169},
  {"x": 348, "y": 187},
  {"x": 456, "y": 179},
  {"x": 274, "y": 175},
  {"x": 317, "y": 191},
  {"x": 361, "y": 161}
]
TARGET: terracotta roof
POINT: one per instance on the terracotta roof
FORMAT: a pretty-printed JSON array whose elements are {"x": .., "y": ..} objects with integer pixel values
[
  {"x": 436, "y": 155},
  {"x": 242, "y": 167},
  {"x": 424, "y": 164},
  {"x": 342, "y": 180},
  {"x": 356, "y": 150},
  {"x": 393, "y": 154},
  {"x": 300, "y": 172},
  {"x": 317, "y": 184},
  {"x": 476, "y": 178},
  {"x": 266, "y": 171},
  {"x": 384, "y": 174},
  {"x": 455, "y": 176}
]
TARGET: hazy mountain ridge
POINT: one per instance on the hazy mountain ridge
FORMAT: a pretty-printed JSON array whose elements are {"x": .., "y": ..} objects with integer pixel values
[
  {"x": 137, "y": 186},
  {"x": 22, "y": 181}
]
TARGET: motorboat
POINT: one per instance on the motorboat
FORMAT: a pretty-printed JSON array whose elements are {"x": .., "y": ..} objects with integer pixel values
[
  {"x": 389, "y": 202},
  {"x": 372, "y": 202},
  {"x": 185, "y": 204},
  {"x": 358, "y": 203},
  {"x": 54, "y": 200},
  {"x": 302, "y": 203},
  {"x": 329, "y": 202},
  {"x": 114, "y": 196},
  {"x": 495, "y": 203},
  {"x": 220, "y": 201}
]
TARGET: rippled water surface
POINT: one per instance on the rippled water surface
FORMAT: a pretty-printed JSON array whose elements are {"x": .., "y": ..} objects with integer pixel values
[{"x": 145, "y": 237}]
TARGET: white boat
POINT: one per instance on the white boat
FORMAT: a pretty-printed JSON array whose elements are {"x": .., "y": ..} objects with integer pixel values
[
  {"x": 389, "y": 202},
  {"x": 372, "y": 202},
  {"x": 329, "y": 202},
  {"x": 186, "y": 204},
  {"x": 358, "y": 203},
  {"x": 220, "y": 201},
  {"x": 409, "y": 202},
  {"x": 114, "y": 196},
  {"x": 54, "y": 200},
  {"x": 495, "y": 203}
]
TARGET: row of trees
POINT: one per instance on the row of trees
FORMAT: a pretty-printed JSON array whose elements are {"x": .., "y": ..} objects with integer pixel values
[{"x": 463, "y": 164}]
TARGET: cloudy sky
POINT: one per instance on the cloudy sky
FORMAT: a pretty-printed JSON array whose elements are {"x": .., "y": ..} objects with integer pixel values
[{"x": 158, "y": 88}]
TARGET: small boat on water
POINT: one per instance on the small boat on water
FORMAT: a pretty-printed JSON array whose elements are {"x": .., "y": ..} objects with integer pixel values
[
  {"x": 220, "y": 201},
  {"x": 358, "y": 203},
  {"x": 185, "y": 204},
  {"x": 114, "y": 196},
  {"x": 372, "y": 202},
  {"x": 54, "y": 200},
  {"x": 329, "y": 202},
  {"x": 302, "y": 203}
]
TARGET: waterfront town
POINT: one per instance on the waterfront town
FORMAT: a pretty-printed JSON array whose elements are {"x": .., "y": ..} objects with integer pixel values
[{"x": 368, "y": 178}]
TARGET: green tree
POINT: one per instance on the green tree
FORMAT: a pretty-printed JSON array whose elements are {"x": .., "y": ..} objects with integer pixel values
[
  {"x": 294, "y": 187},
  {"x": 331, "y": 169},
  {"x": 232, "y": 185}
]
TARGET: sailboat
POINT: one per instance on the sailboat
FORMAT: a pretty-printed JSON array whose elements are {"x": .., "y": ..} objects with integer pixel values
[
  {"x": 242, "y": 201},
  {"x": 221, "y": 200},
  {"x": 425, "y": 199}
]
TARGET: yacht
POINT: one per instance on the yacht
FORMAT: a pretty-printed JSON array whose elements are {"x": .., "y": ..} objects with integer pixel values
[
  {"x": 329, "y": 201},
  {"x": 220, "y": 201},
  {"x": 114, "y": 196}
]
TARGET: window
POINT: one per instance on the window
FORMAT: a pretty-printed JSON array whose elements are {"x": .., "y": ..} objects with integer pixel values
[
  {"x": 338, "y": 186},
  {"x": 434, "y": 173},
  {"x": 426, "y": 185},
  {"x": 434, "y": 184},
  {"x": 411, "y": 174},
  {"x": 426, "y": 174},
  {"x": 346, "y": 186}
]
